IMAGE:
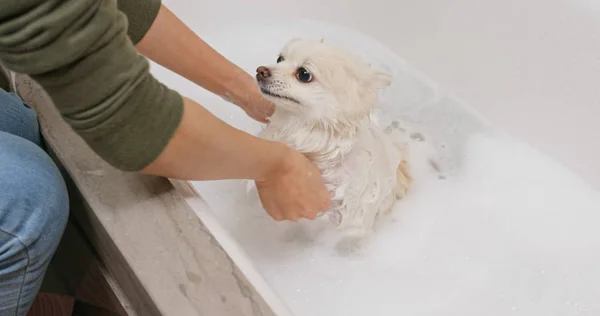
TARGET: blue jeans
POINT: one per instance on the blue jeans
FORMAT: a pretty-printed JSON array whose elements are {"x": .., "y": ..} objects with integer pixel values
[{"x": 34, "y": 206}]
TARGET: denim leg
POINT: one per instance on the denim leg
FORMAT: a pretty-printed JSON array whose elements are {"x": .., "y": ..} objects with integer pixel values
[
  {"x": 18, "y": 118},
  {"x": 33, "y": 207}
]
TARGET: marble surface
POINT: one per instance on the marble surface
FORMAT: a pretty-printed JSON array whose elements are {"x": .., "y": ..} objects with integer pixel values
[{"x": 158, "y": 250}]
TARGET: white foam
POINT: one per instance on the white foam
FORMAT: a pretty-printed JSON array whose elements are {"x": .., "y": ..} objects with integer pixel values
[{"x": 506, "y": 231}]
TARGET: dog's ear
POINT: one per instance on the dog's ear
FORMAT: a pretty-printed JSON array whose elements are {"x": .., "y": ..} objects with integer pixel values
[{"x": 381, "y": 79}]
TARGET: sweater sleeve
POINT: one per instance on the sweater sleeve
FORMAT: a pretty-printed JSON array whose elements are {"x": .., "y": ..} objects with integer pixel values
[
  {"x": 140, "y": 14},
  {"x": 79, "y": 51}
]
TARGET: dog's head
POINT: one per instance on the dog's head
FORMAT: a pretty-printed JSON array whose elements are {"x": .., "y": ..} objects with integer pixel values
[{"x": 320, "y": 82}]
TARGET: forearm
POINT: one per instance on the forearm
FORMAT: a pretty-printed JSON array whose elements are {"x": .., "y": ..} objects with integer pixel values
[
  {"x": 173, "y": 45},
  {"x": 104, "y": 90},
  {"x": 205, "y": 148},
  {"x": 219, "y": 151}
]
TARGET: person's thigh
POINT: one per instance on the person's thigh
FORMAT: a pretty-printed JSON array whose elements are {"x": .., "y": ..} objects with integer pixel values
[
  {"x": 18, "y": 118},
  {"x": 34, "y": 208}
]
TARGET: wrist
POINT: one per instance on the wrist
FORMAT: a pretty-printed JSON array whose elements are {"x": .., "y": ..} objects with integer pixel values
[
  {"x": 277, "y": 161},
  {"x": 248, "y": 97},
  {"x": 242, "y": 91}
]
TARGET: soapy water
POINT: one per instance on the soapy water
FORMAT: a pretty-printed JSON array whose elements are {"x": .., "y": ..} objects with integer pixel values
[{"x": 489, "y": 227}]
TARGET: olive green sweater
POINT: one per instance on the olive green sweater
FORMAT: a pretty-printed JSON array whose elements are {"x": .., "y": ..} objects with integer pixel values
[{"x": 82, "y": 53}]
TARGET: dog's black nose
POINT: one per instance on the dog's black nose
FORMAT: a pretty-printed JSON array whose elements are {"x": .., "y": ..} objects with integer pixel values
[{"x": 262, "y": 72}]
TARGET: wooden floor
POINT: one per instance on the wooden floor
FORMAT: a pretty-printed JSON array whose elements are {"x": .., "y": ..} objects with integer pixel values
[{"x": 52, "y": 305}]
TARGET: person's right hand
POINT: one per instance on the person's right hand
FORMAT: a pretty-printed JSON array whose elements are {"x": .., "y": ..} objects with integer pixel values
[{"x": 293, "y": 189}]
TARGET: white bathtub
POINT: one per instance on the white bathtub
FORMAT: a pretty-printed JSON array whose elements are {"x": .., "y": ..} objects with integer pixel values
[{"x": 529, "y": 67}]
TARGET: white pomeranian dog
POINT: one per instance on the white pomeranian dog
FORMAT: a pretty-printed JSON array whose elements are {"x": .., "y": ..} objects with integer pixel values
[{"x": 324, "y": 99}]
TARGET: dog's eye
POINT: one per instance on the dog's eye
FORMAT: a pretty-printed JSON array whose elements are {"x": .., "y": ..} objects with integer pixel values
[
  {"x": 279, "y": 59},
  {"x": 303, "y": 75}
]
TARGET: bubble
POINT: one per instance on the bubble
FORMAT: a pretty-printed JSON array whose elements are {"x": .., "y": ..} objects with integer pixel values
[{"x": 417, "y": 136}]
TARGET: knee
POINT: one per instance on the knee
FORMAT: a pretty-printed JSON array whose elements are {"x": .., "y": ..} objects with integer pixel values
[{"x": 34, "y": 203}]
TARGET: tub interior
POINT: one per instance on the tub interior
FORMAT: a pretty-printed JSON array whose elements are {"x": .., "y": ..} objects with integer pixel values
[{"x": 491, "y": 226}]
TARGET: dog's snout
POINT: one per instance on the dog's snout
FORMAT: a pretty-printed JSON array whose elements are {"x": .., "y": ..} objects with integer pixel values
[{"x": 262, "y": 72}]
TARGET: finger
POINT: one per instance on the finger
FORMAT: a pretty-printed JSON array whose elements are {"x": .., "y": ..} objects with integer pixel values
[
  {"x": 311, "y": 215},
  {"x": 324, "y": 202},
  {"x": 259, "y": 119},
  {"x": 276, "y": 213},
  {"x": 293, "y": 218},
  {"x": 256, "y": 116},
  {"x": 273, "y": 211},
  {"x": 278, "y": 217},
  {"x": 311, "y": 211}
]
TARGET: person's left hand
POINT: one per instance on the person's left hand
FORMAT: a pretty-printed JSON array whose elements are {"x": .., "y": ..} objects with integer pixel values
[{"x": 259, "y": 108}]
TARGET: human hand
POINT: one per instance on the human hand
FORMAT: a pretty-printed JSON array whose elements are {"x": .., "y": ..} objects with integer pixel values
[
  {"x": 258, "y": 107},
  {"x": 254, "y": 102},
  {"x": 260, "y": 110},
  {"x": 293, "y": 189}
]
